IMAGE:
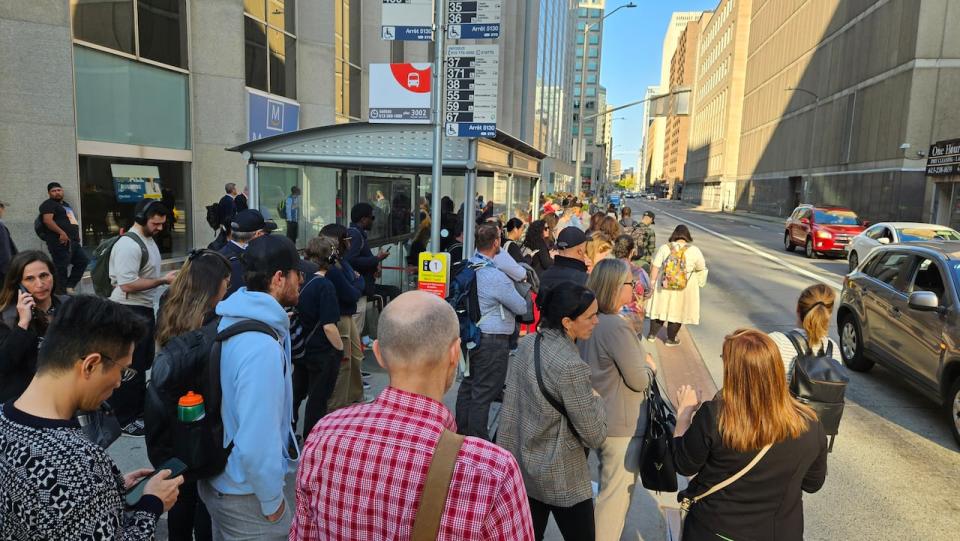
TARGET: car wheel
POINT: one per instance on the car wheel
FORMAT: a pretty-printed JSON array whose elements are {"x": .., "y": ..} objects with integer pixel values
[
  {"x": 851, "y": 344},
  {"x": 953, "y": 409},
  {"x": 854, "y": 260},
  {"x": 808, "y": 249},
  {"x": 787, "y": 243}
]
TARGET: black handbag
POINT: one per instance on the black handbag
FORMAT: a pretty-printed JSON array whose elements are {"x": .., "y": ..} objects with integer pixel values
[
  {"x": 100, "y": 426},
  {"x": 657, "y": 469}
]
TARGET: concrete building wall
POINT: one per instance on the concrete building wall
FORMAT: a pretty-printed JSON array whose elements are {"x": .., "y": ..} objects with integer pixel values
[
  {"x": 38, "y": 139},
  {"x": 867, "y": 80},
  {"x": 714, "y": 148}
]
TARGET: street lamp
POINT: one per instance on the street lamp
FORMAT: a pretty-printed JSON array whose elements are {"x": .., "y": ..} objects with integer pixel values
[{"x": 583, "y": 93}]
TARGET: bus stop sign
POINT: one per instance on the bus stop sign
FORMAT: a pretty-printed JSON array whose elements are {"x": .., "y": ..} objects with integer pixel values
[{"x": 433, "y": 275}]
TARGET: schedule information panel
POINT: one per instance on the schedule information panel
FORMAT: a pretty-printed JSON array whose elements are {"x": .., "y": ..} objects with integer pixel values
[
  {"x": 472, "y": 80},
  {"x": 473, "y": 19}
]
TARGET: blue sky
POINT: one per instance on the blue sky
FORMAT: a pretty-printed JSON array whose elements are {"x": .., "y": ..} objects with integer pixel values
[{"x": 632, "y": 47}]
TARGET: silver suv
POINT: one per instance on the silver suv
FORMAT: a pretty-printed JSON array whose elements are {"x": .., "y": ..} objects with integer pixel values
[{"x": 900, "y": 307}]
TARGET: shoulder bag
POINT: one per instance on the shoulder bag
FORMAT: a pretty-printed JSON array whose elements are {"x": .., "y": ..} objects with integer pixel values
[
  {"x": 553, "y": 401},
  {"x": 426, "y": 524},
  {"x": 657, "y": 469},
  {"x": 687, "y": 503}
]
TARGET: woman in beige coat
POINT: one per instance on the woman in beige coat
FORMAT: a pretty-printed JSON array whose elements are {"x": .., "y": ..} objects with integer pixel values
[
  {"x": 621, "y": 372},
  {"x": 677, "y": 273}
]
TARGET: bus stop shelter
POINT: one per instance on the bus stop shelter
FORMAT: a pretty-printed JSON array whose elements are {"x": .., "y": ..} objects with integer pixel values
[{"x": 389, "y": 166}]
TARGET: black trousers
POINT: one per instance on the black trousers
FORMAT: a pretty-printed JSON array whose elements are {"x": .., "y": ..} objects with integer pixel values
[
  {"x": 387, "y": 292},
  {"x": 488, "y": 373},
  {"x": 293, "y": 230},
  {"x": 314, "y": 378},
  {"x": 188, "y": 519},
  {"x": 672, "y": 328},
  {"x": 576, "y": 523},
  {"x": 127, "y": 401},
  {"x": 69, "y": 261}
]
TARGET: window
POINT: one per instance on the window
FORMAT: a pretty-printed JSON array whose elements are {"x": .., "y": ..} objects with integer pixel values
[
  {"x": 592, "y": 79},
  {"x": 890, "y": 267},
  {"x": 348, "y": 73},
  {"x": 270, "y": 46},
  {"x": 150, "y": 29},
  {"x": 594, "y": 52},
  {"x": 837, "y": 217},
  {"x": 578, "y": 65},
  {"x": 581, "y": 26},
  {"x": 591, "y": 65},
  {"x": 913, "y": 234},
  {"x": 875, "y": 232},
  {"x": 582, "y": 12},
  {"x": 928, "y": 278},
  {"x": 107, "y": 204},
  {"x": 594, "y": 39},
  {"x": 392, "y": 200},
  {"x": 588, "y": 130},
  {"x": 591, "y": 91},
  {"x": 579, "y": 39}
]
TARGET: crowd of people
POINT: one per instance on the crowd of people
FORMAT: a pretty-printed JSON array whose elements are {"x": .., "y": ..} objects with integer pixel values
[{"x": 285, "y": 331}]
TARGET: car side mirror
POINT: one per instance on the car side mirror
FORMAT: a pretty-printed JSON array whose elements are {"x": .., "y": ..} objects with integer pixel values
[
  {"x": 883, "y": 240},
  {"x": 805, "y": 221},
  {"x": 865, "y": 223},
  {"x": 924, "y": 301}
]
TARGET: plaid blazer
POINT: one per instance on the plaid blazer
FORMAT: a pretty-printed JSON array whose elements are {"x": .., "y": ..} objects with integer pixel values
[{"x": 551, "y": 458}]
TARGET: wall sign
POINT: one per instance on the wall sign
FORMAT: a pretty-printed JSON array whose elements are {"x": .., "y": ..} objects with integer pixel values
[
  {"x": 400, "y": 93},
  {"x": 269, "y": 115},
  {"x": 134, "y": 183},
  {"x": 473, "y": 19},
  {"x": 433, "y": 275},
  {"x": 944, "y": 158}
]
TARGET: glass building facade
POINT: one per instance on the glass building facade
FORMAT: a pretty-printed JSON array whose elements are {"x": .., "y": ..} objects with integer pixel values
[{"x": 554, "y": 81}]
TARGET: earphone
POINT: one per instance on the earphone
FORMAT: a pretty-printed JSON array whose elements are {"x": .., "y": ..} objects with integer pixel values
[{"x": 140, "y": 217}]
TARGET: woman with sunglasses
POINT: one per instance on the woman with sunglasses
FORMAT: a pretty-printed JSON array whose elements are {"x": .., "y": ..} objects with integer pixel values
[
  {"x": 27, "y": 305},
  {"x": 621, "y": 371},
  {"x": 188, "y": 305}
]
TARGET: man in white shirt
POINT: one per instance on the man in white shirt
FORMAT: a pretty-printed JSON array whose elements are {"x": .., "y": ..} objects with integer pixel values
[{"x": 135, "y": 275}]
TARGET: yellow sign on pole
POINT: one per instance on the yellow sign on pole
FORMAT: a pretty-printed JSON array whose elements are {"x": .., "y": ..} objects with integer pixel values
[{"x": 433, "y": 275}]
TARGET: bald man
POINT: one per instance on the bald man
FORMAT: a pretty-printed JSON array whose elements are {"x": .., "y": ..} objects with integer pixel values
[{"x": 364, "y": 467}]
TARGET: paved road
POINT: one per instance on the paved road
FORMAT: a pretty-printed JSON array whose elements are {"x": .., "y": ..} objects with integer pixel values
[{"x": 895, "y": 469}]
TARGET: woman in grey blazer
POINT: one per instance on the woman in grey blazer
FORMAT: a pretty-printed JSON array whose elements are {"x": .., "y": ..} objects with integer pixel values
[
  {"x": 549, "y": 424},
  {"x": 621, "y": 371}
]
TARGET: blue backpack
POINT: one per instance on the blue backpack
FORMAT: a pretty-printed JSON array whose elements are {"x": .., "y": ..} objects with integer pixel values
[{"x": 465, "y": 301}]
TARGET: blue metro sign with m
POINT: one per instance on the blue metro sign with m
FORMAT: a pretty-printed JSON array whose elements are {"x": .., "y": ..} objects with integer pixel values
[{"x": 269, "y": 116}]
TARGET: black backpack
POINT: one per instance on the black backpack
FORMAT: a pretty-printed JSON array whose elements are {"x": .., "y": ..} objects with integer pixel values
[
  {"x": 191, "y": 362},
  {"x": 463, "y": 297},
  {"x": 213, "y": 216},
  {"x": 40, "y": 228},
  {"x": 820, "y": 382}
]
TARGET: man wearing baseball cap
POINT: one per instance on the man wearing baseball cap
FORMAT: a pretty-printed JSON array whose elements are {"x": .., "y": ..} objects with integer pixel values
[
  {"x": 245, "y": 226},
  {"x": 569, "y": 265},
  {"x": 62, "y": 235},
  {"x": 247, "y": 501}
]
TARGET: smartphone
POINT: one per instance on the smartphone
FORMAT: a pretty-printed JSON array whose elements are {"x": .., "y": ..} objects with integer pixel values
[
  {"x": 23, "y": 289},
  {"x": 176, "y": 467}
]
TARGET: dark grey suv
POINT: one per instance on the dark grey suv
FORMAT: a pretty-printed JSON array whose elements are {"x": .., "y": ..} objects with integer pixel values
[{"x": 900, "y": 307}]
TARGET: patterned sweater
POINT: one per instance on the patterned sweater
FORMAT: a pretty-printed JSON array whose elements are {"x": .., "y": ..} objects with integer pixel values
[{"x": 56, "y": 484}]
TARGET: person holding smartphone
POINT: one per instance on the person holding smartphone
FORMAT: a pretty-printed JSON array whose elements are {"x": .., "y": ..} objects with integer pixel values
[
  {"x": 27, "y": 303},
  {"x": 74, "y": 490}
]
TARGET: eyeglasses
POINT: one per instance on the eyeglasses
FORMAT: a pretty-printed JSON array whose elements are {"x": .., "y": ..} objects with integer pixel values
[
  {"x": 631, "y": 284},
  {"x": 126, "y": 373}
]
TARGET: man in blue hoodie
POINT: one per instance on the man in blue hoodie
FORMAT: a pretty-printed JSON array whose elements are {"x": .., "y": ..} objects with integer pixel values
[{"x": 246, "y": 501}]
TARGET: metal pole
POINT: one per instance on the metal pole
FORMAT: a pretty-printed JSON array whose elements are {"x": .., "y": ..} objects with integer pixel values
[
  {"x": 253, "y": 184},
  {"x": 583, "y": 91},
  {"x": 470, "y": 201},
  {"x": 439, "y": 65}
]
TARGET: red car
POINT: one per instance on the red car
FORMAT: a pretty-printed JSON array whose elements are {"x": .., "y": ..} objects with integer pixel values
[{"x": 822, "y": 229}]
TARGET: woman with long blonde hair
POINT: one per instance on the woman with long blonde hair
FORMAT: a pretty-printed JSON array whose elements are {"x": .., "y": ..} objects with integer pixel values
[
  {"x": 190, "y": 302},
  {"x": 814, "y": 310},
  {"x": 752, "y": 417}
]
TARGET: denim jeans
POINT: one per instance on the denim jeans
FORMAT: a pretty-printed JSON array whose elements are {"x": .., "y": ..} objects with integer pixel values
[{"x": 69, "y": 261}]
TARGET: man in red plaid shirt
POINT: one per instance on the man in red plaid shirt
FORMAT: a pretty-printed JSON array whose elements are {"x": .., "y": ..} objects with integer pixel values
[{"x": 363, "y": 468}]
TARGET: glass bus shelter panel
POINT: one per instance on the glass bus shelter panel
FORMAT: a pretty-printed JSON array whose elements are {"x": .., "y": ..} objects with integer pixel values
[
  {"x": 321, "y": 197},
  {"x": 392, "y": 198},
  {"x": 275, "y": 185}
]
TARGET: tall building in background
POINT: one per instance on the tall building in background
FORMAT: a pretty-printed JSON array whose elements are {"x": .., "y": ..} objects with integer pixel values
[
  {"x": 604, "y": 140},
  {"x": 593, "y": 155},
  {"x": 714, "y": 145},
  {"x": 683, "y": 74},
  {"x": 554, "y": 92},
  {"x": 678, "y": 23},
  {"x": 834, "y": 92}
]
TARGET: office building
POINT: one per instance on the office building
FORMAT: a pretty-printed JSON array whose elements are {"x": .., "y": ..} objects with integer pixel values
[
  {"x": 683, "y": 71},
  {"x": 589, "y": 43},
  {"x": 710, "y": 179},
  {"x": 841, "y": 102}
]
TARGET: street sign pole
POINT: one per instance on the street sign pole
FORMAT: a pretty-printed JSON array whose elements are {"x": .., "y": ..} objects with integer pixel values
[{"x": 439, "y": 63}]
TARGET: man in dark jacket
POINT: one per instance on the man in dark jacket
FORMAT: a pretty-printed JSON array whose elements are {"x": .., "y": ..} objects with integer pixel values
[
  {"x": 569, "y": 265},
  {"x": 362, "y": 260},
  {"x": 246, "y": 226},
  {"x": 7, "y": 248},
  {"x": 63, "y": 239}
]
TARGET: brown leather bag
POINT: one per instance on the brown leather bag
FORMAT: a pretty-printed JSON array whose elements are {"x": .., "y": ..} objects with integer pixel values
[{"x": 435, "y": 489}]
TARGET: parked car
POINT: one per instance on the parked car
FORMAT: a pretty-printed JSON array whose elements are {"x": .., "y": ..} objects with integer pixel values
[
  {"x": 893, "y": 233},
  {"x": 821, "y": 229},
  {"x": 650, "y": 196},
  {"x": 900, "y": 308},
  {"x": 630, "y": 195}
]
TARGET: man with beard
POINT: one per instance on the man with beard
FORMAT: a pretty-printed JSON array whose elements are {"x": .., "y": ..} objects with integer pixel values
[{"x": 63, "y": 239}]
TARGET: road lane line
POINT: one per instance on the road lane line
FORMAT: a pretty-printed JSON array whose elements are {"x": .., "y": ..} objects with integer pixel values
[{"x": 789, "y": 266}]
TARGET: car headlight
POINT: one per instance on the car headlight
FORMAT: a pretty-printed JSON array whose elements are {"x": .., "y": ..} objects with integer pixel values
[{"x": 824, "y": 235}]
